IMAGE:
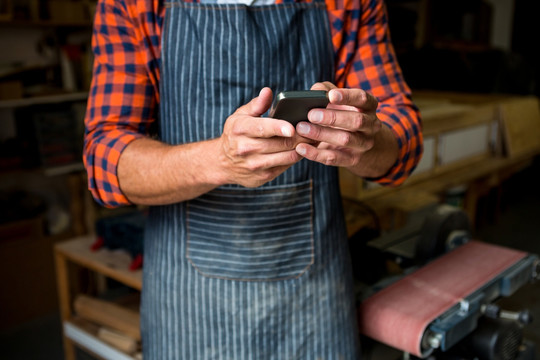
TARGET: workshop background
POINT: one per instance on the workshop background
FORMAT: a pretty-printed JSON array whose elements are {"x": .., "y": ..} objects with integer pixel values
[{"x": 473, "y": 66}]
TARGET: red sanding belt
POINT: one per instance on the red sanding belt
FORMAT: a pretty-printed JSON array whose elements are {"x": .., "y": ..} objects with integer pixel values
[{"x": 399, "y": 314}]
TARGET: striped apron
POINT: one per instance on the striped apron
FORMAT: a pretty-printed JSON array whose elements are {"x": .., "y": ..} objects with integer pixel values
[{"x": 242, "y": 273}]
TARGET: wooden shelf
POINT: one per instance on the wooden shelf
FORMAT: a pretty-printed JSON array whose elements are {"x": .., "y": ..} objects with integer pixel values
[
  {"x": 45, "y": 171},
  {"x": 113, "y": 264},
  {"x": 43, "y": 23},
  {"x": 41, "y": 100},
  {"x": 63, "y": 169},
  {"x": 92, "y": 343}
]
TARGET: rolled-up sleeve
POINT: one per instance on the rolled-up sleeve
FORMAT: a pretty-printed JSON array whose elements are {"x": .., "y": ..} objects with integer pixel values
[
  {"x": 122, "y": 98},
  {"x": 366, "y": 60}
]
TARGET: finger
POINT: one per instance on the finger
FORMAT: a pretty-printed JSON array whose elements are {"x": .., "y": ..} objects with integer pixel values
[
  {"x": 336, "y": 137},
  {"x": 274, "y": 160},
  {"x": 260, "y": 127},
  {"x": 259, "y": 178},
  {"x": 329, "y": 156},
  {"x": 326, "y": 85},
  {"x": 252, "y": 146},
  {"x": 271, "y": 145},
  {"x": 263, "y": 127},
  {"x": 353, "y": 97},
  {"x": 258, "y": 105},
  {"x": 262, "y": 166},
  {"x": 351, "y": 120}
]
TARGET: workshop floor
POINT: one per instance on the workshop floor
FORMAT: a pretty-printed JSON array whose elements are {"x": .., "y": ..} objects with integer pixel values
[{"x": 515, "y": 224}]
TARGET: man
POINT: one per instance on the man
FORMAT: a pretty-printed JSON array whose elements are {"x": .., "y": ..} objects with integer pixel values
[{"x": 245, "y": 246}]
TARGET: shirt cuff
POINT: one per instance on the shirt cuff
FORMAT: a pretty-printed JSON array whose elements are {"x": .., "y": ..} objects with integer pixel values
[
  {"x": 102, "y": 167},
  {"x": 409, "y": 149}
]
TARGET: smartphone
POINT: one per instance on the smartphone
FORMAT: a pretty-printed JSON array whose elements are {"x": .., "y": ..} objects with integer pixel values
[{"x": 294, "y": 106}]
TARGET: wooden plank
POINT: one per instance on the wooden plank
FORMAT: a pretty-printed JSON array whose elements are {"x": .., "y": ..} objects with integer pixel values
[
  {"x": 457, "y": 97},
  {"x": 433, "y": 110},
  {"x": 92, "y": 344},
  {"x": 109, "y": 314},
  {"x": 122, "y": 342},
  {"x": 521, "y": 125},
  {"x": 39, "y": 100},
  {"x": 443, "y": 120}
]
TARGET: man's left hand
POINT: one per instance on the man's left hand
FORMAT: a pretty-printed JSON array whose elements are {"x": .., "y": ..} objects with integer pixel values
[{"x": 349, "y": 133}]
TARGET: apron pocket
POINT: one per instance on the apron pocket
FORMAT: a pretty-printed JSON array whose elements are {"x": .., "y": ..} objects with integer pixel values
[{"x": 252, "y": 234}]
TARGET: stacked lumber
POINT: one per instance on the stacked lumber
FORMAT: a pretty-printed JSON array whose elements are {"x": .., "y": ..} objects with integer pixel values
[{"x": 114, "y": 324}]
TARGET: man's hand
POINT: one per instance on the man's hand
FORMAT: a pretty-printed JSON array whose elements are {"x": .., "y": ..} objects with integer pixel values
[
  {"x": 255, "y": 150},
  {"x": 349, "y": 133}
]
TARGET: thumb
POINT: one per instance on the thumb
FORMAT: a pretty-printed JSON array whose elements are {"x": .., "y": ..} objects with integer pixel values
[{"x": 258, "y": 105}]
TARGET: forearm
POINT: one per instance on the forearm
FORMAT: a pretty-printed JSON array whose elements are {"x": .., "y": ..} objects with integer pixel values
[{"x": 154, "y": 173}]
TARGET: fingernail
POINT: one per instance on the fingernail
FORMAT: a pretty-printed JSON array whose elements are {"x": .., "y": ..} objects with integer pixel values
[
  {"x": 316, "y": 116},
  {"x": 286, "y": 131},
  {"x": 335, "y": 96},
  {"x": 303, "y": 128},
  {"x": 300, "y": 150}
]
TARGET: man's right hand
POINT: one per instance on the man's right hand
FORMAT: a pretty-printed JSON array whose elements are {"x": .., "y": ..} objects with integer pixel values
[{"x": 255, "y": 150}]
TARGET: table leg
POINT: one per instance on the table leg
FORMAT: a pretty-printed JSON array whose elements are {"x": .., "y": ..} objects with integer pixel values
[{"x": 64, "y": 297}]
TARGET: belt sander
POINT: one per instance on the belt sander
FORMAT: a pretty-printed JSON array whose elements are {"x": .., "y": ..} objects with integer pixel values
[{"x": 442, "y": 302}]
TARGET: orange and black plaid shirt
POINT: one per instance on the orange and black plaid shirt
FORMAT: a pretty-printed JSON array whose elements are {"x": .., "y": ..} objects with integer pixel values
[{"x": 124, "y": 95}]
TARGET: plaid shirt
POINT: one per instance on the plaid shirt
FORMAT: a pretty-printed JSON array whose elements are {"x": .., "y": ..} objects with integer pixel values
[{"x": 124, "y": 95}]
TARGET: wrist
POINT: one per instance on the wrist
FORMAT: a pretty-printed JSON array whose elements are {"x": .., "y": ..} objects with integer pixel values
[
  {"x": 381, "y": 158},
  {"x": 209, "y": 163}
]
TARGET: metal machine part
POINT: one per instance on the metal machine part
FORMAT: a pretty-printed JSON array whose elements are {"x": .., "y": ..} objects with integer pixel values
[
  {"x": 493, "y": 339},
  {"x": 461, "y": 320},
  {"x": 493, "y": 311},
  {"x": 445, "y": 228},
  {"x": 496, "y": 339}
]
